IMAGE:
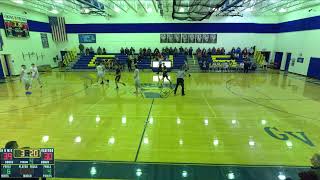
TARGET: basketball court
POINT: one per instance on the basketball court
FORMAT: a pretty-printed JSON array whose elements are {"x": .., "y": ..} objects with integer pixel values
[{"x": 229, "y": 124}]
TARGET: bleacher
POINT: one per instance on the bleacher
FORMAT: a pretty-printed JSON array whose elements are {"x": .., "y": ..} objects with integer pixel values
[
  {"x": 89, "y": 62},
  {"x": 178, "y": 61},
  {"x": 145, "y": 63},
  {"x": 83, "y": 62},
  {"x": 221, "y": 62}
]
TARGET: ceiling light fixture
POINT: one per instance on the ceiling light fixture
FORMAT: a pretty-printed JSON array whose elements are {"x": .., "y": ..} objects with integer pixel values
[
  {"x": 149, "y": 10},
  {"x": 116, "y": 9},
  {"x": 54, "y": 11},
  {"x": 85, "y": 10},
  {"x": 58, "y": 1},
  {"x": 282, "y": 10},
  {"x": 181, "y": 9},
  {"x": 18, "y": 1}
]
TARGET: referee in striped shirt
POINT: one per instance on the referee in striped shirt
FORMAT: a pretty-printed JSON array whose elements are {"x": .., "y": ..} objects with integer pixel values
[{"x": 180, "y": 81}]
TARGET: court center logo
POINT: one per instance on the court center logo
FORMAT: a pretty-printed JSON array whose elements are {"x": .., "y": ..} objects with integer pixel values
[{"x": 286, "y": 135}]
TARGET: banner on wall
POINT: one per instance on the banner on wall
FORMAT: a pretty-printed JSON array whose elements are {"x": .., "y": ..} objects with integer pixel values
[
  {"x": 87, "y": 38},
  {"x": 44, "y": 40},
  {"x": 188, "y": 38},
  {"x": 300, "y": 60},
  {"x": 1, "y": 42},
  {"x": 15, "y": 26}
]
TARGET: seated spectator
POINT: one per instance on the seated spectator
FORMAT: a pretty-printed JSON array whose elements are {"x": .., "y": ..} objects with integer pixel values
[
  {"x": 149, "y": 52},
  {"x": 163, "y": 50},
  {"x": 223, "y": 51},
  {"x": 251, "y": 51},
  {"x": 199, "y": 55},
  {"x": 209, "y": 52},
  {"x": 144, "y": 51},
  {"x": 87, "y": 51},
  {"x": 91, "y": 50},
  {"x": 204, "y": 52},
  {"x": 245, "y": 54},
  {"x": 198, "y": 50},
  {"x": 121, "y": 50},
  {"x": 156, "y": 51},
  {"x": 181, "y": 50},
  {"x": 175, "y": 50},
  {"x": 104, "y": 51},
  {"x": 190, "y": 51},
  {"x": 171, "y": 50},
  {"x": 233, "y": 50},
  {"x": 218, "y": 51},
  {"x": 214, "y": 51},
  {"x": 127, "y": 51},
  {"x": 186, "y": 51},
  {"x": 81, "y": 48},
  {"x": 99, "y": 51},
  {"x": 132, "y": 51}
]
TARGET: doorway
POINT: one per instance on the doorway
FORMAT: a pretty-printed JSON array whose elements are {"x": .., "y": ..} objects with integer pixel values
[
  {"x": 278, "y": 59},
  {"x": 6, "y": 64},
  {"x": 288, "y": 59}
]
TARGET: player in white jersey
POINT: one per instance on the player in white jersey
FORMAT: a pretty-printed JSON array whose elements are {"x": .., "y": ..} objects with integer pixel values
[
  {"x": 101, "y": 72},
  {"x": 25, "y": 78},
  {"x": 35, "y": 74},
  {"x": 136, "y": 78}
]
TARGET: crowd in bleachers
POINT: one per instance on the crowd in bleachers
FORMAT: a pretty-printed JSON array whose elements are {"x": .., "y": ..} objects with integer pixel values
[{"x": 143, "y": 57}]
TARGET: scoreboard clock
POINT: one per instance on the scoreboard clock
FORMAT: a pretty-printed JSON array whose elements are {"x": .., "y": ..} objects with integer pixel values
[{"x": 27, "y": 163}]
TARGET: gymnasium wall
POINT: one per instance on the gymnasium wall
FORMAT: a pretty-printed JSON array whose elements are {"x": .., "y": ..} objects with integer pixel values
[
  {"x": 32, "y": 44},
  {"x": 267, "y": 33},
  {"x": 304, "y": 43},
  {"x": 144, "y": 35}
]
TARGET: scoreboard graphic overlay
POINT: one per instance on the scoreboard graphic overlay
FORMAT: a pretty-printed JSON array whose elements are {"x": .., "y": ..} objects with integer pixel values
[{"x": 27, "y": 163}]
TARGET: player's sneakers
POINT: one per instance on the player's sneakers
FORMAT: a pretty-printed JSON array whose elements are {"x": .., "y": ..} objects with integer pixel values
[{"x": 102, "y": 82}]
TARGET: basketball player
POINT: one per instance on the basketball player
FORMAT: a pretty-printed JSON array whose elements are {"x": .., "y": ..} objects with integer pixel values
[
  {"x": 118, "y": 76},
  {"x": 35, "y": 74},
  {"x": 165, "y": 75},
  {"x": 136, "y": 77},
  {"x": 25, "y": 78},
  {"x": 159, "y": 71},
  {"x": 101, "y": 73}
]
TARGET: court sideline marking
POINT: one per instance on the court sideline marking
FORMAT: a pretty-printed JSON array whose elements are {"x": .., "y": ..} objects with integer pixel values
[
  {"x": 143, "y": 132},
  {"x": 210, "y": 107},
  {"x": 228, "y": 87}
]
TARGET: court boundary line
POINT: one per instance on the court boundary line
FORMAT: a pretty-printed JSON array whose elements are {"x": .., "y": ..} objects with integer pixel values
[
  {"x": 227, "y": 85},
  {"x": 143, "y": 132},
  {"x": 211, "y": 109}
]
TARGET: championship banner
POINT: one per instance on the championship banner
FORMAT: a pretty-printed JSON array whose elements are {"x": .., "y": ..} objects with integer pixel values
[
  {"x": 44, "y": 40},
  {"x": 188, "y": 38},
  {"x": 15, "y": 26}
]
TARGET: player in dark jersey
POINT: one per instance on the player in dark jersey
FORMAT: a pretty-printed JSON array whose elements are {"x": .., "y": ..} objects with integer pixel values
[
  {"x": 118, "y": 76},
  {"x": 165, "y": 75}
]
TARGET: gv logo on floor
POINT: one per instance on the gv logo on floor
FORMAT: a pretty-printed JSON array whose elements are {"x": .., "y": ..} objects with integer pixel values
[{"x": 285, "y": 135}]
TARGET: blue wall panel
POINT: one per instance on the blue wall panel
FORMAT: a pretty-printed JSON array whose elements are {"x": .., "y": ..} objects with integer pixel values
[
  {"x": 39, "y": 26},
  {"x": 314, "y": 68},
  {"x": 173, "y": 28},
  {"x": 290, "y": 26},
  {"x": 1, "y": 21},
  {"x": 300, "y": 25}
]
